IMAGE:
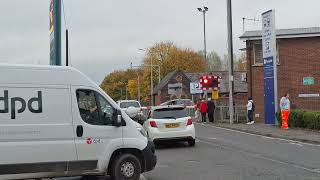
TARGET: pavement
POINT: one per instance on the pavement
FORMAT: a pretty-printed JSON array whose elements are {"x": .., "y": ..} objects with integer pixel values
[{"x": 295, "y": 134}]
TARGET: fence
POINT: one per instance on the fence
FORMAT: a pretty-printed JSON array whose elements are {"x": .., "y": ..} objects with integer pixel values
[{"x": 221, "y": 113}]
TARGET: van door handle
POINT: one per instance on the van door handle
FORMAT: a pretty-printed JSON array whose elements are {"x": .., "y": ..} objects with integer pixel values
[{"x": 79, "y": 131}]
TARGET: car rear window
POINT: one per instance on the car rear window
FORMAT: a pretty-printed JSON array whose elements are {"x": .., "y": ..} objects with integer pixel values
[
  {"x": 129, "y": 104},
  {"x": 169, "y": 113}
]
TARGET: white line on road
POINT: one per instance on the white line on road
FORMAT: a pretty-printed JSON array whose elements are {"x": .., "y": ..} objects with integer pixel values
[
  {"x": 260, "y": 156},
  {"x": 296, "y": 144},
  {"x": 212, "y": 138},
  {"x": 262, "y": 136},
  {"x": 142, "y": 177}
]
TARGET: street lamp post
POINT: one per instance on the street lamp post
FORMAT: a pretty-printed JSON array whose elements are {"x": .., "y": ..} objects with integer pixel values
[
  {"x": 137, "y": 82},
  {"x": 204, "y": 10}
]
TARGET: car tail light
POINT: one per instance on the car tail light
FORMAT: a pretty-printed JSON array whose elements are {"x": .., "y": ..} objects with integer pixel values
[
  {"x": 189, "y": 122},
  {"x": 153, "y": 124}
]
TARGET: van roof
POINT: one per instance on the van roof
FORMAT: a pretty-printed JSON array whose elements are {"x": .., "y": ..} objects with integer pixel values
[{"x": 42, "y": 74}]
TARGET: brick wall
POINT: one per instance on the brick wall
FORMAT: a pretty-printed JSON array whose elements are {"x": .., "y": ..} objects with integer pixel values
[
  {"x": 163, "y": 96},
  {"x": 299, "y": 57}
]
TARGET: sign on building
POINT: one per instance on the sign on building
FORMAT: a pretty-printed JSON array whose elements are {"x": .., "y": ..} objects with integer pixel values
[
  {"x": 308, "y": 81},
  {"x": 175, "y": 89},
  {"x": 195, "y": 88},
  {"x": 269, "y": 66}
]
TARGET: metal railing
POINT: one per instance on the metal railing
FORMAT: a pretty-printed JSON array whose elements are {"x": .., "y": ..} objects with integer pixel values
[{"x": 221, "y": 113}]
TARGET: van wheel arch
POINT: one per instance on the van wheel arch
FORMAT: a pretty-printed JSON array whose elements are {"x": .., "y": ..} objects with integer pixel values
[{"x": 119, "y": 152}]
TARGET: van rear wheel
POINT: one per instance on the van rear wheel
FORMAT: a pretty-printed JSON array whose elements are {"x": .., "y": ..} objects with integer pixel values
[{"x": 126, "y": 167}]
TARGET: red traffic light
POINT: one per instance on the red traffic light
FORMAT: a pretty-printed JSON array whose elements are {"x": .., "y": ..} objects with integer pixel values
[{"x": 205, "y": 81}]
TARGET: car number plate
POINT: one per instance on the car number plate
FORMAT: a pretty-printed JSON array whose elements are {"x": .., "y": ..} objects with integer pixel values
[{"x": 172, "y": 125}]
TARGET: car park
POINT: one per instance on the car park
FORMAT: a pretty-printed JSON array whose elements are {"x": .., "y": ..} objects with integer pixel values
[{"x": 170, "y": 123}]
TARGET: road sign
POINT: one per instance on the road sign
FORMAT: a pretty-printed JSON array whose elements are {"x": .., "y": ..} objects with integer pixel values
[
  {"x": 195, "y": 88},
  {"x": 270, "y": 66},
  {"x": 308, "y": 81},
  {"x": 215, "y": 94}
]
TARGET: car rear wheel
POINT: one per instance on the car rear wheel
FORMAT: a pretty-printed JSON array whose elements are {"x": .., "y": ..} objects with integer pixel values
[
  {"x": 192, "y": 142},
  {"x": 126, "y": 167}
]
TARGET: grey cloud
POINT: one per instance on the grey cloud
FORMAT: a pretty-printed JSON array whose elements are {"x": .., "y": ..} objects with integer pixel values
[{"x": 106, "y": 35}]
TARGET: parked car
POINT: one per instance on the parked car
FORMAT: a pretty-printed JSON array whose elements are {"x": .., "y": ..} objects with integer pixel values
[
  {"x": 170, "y": 123},
  {"x": 133, "y": 109},
  {"x": 184, "y": 102},
  {"x": 56, "y": 122}
]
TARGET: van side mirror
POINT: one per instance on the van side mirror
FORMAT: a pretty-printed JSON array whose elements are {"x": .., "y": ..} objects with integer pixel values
[{"x": 118, "y": 118}]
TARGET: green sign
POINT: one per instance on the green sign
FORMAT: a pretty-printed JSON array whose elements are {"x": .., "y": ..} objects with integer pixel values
[{"x": 308, "y": 81}]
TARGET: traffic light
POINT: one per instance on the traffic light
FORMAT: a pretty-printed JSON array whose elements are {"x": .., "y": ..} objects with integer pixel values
[
  {"x": 204, "y": 82},
  {"x": 209, "y": 82}
]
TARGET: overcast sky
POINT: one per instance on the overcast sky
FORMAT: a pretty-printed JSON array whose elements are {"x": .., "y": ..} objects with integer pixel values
[{"x": 105, "y": 35}]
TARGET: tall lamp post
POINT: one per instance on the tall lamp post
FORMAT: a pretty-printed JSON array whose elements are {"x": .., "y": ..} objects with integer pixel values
[
  {"x": 137, "y": 82},
  {"x": 204, "y": 10}
]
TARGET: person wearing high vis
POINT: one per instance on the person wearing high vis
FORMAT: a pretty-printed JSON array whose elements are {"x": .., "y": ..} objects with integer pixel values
[{"x": 285, "y": 110}]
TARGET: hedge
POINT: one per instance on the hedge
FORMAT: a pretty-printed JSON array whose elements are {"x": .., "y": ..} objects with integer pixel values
[{"x": 302, "y": 119}]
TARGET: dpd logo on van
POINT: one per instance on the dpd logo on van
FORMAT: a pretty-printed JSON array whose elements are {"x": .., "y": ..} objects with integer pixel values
[
  {"x": 14, "y": 101},
  {"x": 93, "y": 141}
]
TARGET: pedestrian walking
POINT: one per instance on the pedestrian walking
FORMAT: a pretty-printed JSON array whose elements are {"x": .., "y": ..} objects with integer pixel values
[
  {"x": 250, "y": 110},
  {"x": 211, "y": 107},
  {"x": 197, "y": 106},
  {"x": 285, "y": 110},
  {"x": 203, "y": 109}
]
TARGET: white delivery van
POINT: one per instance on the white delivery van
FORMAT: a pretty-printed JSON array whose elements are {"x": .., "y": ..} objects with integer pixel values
[{"x": 56, "y": 122}]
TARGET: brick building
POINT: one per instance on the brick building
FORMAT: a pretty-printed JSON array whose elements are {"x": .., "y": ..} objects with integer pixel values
[
  {"x": 298, "y": 57},
  {"x": 176, "y": 85}
]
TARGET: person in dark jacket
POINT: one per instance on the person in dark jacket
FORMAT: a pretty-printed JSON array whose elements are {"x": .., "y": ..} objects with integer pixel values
[{"x": 211, "y": 107}]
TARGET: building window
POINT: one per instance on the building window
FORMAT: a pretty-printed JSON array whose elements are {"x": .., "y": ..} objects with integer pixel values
[{"x": 257, "y": 50}]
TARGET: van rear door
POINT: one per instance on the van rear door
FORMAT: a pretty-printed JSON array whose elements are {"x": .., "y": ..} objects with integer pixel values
[
  {"x": 96, "y": 137},
  {"x": 36, "y": 130}
]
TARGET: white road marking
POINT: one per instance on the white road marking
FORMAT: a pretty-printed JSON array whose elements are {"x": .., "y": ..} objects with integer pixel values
[
  {"x": 260, "y": 156},
  {"x": 296, "y": 144},
  {"x": 142, "y": 177},
  {"x": 212, "y": 138},
  {"x": 262, "y": 136}
]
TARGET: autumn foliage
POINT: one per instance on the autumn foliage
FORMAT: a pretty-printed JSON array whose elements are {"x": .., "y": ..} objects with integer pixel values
[{"x": 166, "y": 55}]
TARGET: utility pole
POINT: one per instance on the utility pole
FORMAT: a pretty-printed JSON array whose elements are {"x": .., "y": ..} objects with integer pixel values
[
  {"x": 204, "y": 10},
  {"x": 230, "y": 55},
  {"x": 126, "y": 93},
  {"x": 151, "y": 74},
  {"x": 151, "y": 83},
  {"x": 67, "y": 47}
]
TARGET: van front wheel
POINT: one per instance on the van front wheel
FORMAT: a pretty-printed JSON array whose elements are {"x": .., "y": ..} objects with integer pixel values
[{"x": 126, "y": 167}]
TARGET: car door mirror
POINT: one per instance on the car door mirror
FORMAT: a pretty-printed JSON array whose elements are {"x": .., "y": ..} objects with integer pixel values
[{"x": 118, "y": 118}]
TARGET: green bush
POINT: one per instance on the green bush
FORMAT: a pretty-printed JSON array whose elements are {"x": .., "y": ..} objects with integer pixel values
[{"x": 302, "y": 119}]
